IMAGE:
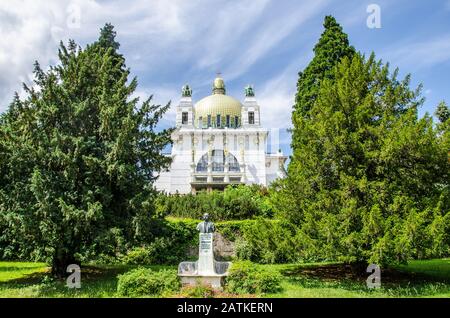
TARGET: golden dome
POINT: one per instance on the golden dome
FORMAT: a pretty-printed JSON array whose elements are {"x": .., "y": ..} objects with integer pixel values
[{"x": 217, "y": 104}]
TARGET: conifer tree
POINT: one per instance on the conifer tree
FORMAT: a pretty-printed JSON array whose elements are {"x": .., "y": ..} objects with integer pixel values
[
  {"x": 442, "y": 112},
  {"x": 79, "y": 156},
  {"x": 332, "y": 46},
  {"x": 372, "y": 178}
]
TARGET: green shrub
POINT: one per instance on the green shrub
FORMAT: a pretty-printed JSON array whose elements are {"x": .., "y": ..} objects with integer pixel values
[
  {"x": 232, "y": 230},
  {"x": 137, "y": 256},
  {"x": 234, "y": 203},
  {"x": 146, "y": 282},
  {"x": 246, "y": 277},
  {"x": 198, "y": 291},
  {"x": 269, "y": 242},
  {"x": 169, "y": 246}
]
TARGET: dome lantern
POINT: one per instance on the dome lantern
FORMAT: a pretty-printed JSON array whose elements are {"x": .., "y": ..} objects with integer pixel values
[{"x": 218, "y": 85}]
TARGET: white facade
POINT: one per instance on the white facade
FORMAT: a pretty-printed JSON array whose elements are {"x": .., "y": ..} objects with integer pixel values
[{"x": 214, "y": 146}]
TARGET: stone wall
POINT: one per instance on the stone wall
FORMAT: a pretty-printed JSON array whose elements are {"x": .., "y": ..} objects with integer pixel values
[{"x": 224, "y": 249}]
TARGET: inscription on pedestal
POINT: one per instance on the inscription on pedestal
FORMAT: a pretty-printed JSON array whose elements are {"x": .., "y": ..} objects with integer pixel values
[{"x": 206, "y": 242}]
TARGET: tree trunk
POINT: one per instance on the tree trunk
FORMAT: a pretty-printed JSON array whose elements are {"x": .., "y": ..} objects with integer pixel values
[{"x": 60, "y": 263}]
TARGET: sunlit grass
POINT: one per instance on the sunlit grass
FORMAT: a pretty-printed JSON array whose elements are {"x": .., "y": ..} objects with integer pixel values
[
  {"x": 13, "y": 270},
  {"x": 429, "y": 278},
  {"x": 437, "y": 268}
]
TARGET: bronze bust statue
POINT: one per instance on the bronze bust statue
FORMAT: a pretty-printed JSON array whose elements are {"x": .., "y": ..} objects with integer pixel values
[{"x": 206, "y": 226}]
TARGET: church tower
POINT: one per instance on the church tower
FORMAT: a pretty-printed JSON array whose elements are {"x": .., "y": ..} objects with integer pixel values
[
  {"x": 250, "y": 109},
  {"x": 185, "y": 109}
]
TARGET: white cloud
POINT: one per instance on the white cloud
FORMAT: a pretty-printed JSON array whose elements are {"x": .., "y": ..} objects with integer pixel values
[
  {"x": 226, "y": 34},
  {"x": 156, "y": 36},
  {"x": 162, "y": 96},
  {"x": 270, "y": 33},
  {"x": 31, "y": 30},
  {"x": 415, "y": 55},
  {"x": 276, "y": 97}
]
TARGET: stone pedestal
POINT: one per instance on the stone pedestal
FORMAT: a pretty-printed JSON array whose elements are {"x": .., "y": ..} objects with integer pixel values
[
  {"x": 205, "y": 255},
  {"x": 206, "y": 270}
]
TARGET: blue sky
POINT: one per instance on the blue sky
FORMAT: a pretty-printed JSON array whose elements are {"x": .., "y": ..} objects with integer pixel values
[{"x": 260, "y": 42}]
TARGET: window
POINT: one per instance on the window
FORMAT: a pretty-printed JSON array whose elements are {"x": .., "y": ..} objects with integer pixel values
[
  {"x": 184, "y": 118},
  {"x": 236, "y": 121},
  {"x": 200, "y": 122},
  {"x": 218, "y": 121},
  {"x": 202, "y": 165},
  {"x": 233, "y": 164},
  {"x": 228, "y": 121},
  {"x": 209, "y": 120},
  {"x": 218, "y": 162},
  {"x": 251, "y": 118}
]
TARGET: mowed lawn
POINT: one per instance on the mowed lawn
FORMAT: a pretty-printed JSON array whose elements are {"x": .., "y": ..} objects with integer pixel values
[{"x": 425, "y": 278}]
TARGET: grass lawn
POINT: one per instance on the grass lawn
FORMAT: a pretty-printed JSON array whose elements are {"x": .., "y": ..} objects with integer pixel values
[
  {"x": 424, "y": 278},
  {"x": 429, "y": 278}
]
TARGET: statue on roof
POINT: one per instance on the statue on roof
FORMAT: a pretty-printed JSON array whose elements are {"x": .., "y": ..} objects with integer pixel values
[
  {"x": 186, "y": 91},
  {"x": 249, "y": 92}
]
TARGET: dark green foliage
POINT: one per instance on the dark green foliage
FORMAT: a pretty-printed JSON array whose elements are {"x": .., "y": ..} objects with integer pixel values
[
  {"x": 368, "y": 179},
  {"x": 107, "y": 38},
  {"x": 232, "y": 230},
  {"x": 333, "y": 45},
  {"x": 268, "y": 242},
  {"x": 78, "y": 157},
  {"x": 234, "y": 203},
  {"x": 442, "y": 112},
  {"x": 146, "y": 282},
  {"x": 171, "y": 246},
  {"x": 246, "y": 277},
  {"x": 371, "y": 181}
]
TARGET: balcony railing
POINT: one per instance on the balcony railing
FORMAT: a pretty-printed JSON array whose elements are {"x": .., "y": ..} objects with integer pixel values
[{"x": 214, "y": 177}]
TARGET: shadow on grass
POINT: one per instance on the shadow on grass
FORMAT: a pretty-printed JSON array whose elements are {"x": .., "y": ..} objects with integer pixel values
[
  {"x": 96, "y": 281},
  {"x": 352, "y": 277}
]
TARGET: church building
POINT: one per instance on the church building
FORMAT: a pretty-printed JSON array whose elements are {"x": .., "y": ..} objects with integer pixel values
[{"x": 219, "y": 141}]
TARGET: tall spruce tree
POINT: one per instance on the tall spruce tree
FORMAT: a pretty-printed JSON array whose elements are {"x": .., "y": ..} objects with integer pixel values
[
  {"x": 332, "y": 46},
  {"x": 78, "y": 157}
]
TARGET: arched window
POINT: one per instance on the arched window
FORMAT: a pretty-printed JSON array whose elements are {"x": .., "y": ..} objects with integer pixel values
[
  {"x": 218, "y": 162},
  {"x": 233, "y": 164},
  {"x": 202, "y": 165}
]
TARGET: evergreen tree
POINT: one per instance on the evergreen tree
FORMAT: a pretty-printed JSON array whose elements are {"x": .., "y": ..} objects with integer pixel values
[
  {"x": 442, "y": 112},
  {"x": 371, "y": 182},
  {"x": 78, "y": 157},
  {"x": 107, "y": 37},
  {"x": 332, "y": 46}
]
